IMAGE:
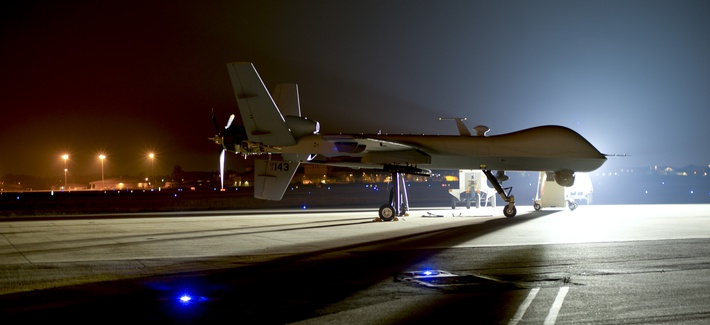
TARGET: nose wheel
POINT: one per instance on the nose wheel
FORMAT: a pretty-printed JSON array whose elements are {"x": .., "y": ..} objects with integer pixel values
[{"x": 509, "y": 210}]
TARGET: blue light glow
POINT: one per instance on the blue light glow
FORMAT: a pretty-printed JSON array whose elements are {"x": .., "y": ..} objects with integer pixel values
[{"x": 185, "y": 299}]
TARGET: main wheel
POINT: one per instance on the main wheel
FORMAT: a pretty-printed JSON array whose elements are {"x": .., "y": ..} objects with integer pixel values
[
  {"x": 510, "y": 211},
  {"x": 387, "y": 212}
]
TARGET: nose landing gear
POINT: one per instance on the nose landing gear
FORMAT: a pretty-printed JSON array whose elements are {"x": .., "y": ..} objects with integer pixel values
[{"x": 509, "y": 210}]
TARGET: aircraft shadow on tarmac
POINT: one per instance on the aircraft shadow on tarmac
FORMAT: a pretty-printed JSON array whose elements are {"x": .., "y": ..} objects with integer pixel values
[{"x": 285, "y": 288}]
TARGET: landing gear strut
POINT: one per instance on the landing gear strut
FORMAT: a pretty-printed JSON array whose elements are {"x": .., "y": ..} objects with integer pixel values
[
  {"x": 509, "y": 210},
  {"x": 398, "y": 203}
]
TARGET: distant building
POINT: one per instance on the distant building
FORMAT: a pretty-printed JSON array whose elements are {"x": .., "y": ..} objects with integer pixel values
[
  {"x": 72, "y": 187},
  {"x": 117, "y": 184}
]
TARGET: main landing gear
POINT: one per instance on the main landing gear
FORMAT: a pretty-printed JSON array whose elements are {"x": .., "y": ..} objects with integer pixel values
[
  {"x": 509, "y": 209},
  {"x": 398, "y": 203}
]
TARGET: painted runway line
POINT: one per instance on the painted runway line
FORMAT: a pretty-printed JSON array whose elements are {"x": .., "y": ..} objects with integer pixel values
[
  {"x": 556, "y": 306},
  {"x": 524, "y": 306},
  {"x": 551, "y": 315}
]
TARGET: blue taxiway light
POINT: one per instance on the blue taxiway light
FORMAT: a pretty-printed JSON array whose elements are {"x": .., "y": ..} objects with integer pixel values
[{"x": 187, "y": 299}]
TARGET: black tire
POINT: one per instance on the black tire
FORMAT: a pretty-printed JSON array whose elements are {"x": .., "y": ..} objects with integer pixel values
[
  {"x": 537, "y": 206},
  {"x": 387, "y": 212},
  {"x": 509, "y": 211}
]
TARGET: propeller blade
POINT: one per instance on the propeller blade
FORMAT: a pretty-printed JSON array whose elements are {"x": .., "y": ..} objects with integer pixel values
[
  {"x": 216, "y": 126},
  {"x": 231, "y": 119},
  {"x": 221, "y": 167}
]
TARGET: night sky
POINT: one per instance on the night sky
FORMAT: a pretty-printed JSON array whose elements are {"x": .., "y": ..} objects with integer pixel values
[{"x": 125, "y": 78}]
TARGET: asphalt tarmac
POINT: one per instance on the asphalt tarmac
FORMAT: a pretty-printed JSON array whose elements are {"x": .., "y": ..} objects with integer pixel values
[{"x": 617, "y": 264}]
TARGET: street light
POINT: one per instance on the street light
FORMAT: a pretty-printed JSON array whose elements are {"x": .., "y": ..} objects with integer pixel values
[
  {"x": 65, "y": 157},
  {"x": 103, "y": 184},
  {"x": 152, "y": 169}
]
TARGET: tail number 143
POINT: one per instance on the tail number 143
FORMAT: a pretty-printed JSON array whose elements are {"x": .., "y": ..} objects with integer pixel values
[{"x": 279, "y": 166}]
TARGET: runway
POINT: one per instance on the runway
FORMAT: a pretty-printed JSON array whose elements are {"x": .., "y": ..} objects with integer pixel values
[{"x": 597, "y": 264}]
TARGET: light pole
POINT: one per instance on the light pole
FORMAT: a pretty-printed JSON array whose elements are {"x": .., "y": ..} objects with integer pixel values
[
  {"x": 65, "y": 157},
  {"x": 152, "y": 169},
  {"x": 103, "y": 184}
]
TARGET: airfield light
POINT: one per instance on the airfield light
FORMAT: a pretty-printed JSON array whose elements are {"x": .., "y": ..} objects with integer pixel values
[
  {"x": 188, "y": 298},
  {"x": 152, "y": 164},
  {"x": 103, "y": 183},
  {"x": 185, "y": 299},
  {"x": 65, "y": 157}
]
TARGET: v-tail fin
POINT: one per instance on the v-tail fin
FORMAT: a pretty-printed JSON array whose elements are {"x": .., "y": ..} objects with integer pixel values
[
  {"x": 272, "y": 178},
  {"x": 262, "y": 119},
  {"x": 287, "y": 99}
]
